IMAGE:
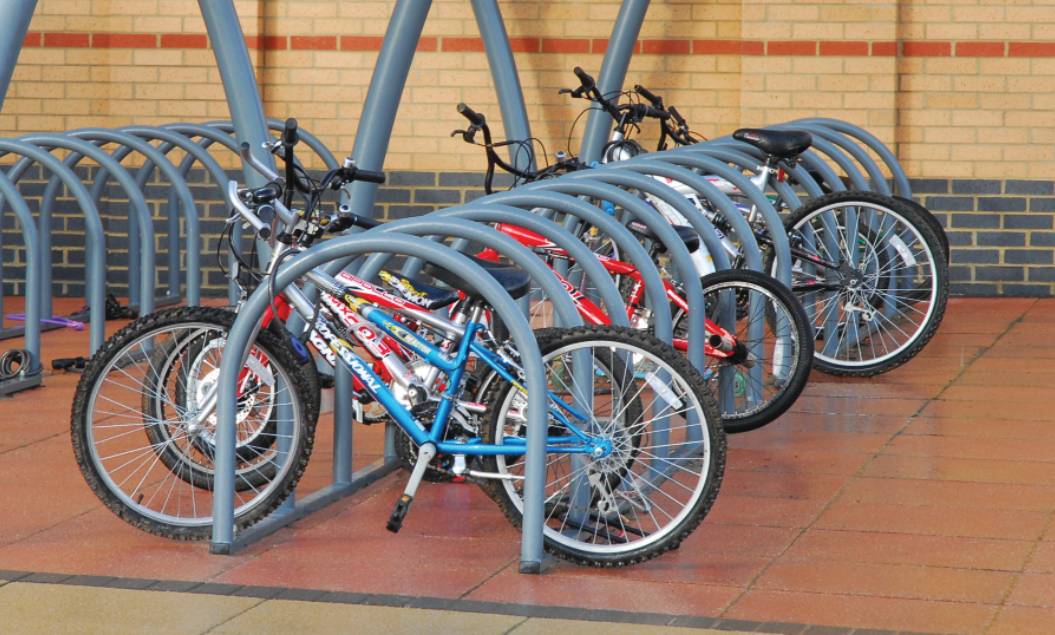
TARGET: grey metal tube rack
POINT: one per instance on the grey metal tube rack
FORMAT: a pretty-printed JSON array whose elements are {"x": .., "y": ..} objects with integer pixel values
[
  {"x": 655, "y": 298},
  {"x": 30, "y": 373},
  {"x": 223, "y": 539},
  {"x": 561, "y": 237},
  {"x": 141, "y": 263},
  {"x": 95, "y": 270}
]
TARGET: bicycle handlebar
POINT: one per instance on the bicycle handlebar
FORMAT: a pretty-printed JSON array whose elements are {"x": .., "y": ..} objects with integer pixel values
[
  {"x": 255, "y": 163},
  {"x": 262, "y": 228},
  {"x": 588, "y": 83},
  {"x": 649, "y": 95},
  {"x": 474, "y": 117}
]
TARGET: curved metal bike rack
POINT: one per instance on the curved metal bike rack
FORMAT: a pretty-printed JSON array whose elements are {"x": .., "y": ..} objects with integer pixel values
[
  {"x": 29, "y": 374},
  {"x": 223, "y": 539},
  {"x": 561, "y": 237},
  {"x": 95, "y": 269}
]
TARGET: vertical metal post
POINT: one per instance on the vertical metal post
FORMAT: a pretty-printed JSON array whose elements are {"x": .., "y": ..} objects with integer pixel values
[
  {"x": 239, "y": 85},
  {"x": 343, "y": 415},
  {"x": 382, "y": 98},
  {"x": 613, "y": 71},
  {"x": 239, "y": 81},
  {"x": 14, "y": 20},
  {"x": 505, "y": 78}
]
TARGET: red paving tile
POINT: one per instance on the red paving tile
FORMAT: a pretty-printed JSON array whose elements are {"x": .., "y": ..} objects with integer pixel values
[
  {"x": 977, "y": 470},
  {"x": 1034, "y": 589},
  {"x": 915, "y": 500},
  {"x": 934, "y": 521},
  {"x": 888, "y": 548},
  {"x": 1040, "y": 498},
  {"x": 1022, "y": 620}
]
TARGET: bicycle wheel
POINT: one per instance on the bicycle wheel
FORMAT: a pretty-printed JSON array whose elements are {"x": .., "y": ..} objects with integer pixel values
[
  {"x": 770, "y": 364},
  {"x": 145, "y": 441},
  {"x": 668, "y": 457},
  {"x": 185, "y": 370},
  {"x": 886, "y": 295}
]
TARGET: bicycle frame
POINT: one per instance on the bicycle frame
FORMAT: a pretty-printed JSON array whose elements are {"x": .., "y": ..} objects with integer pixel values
[
  {"x": 385, "y": 337},
  {"x": 634, "y": 300}
]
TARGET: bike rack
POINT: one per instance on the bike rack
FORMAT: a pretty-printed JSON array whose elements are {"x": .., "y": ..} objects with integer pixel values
[
  {"x": 223, "y": 539},
  {"x": 95, "y": 269},
  {"x": 141, "y": 252},
  {"x": 597, "y": 187},
  {"x": 29, "y": 374},
  {"x": 561, "y": 237},
  {"x": 656, "y": 300},
  {"x": 428, "y": 226}
]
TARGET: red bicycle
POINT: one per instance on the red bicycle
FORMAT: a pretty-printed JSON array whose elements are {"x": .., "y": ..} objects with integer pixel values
[{"x": 758, "y": 344}]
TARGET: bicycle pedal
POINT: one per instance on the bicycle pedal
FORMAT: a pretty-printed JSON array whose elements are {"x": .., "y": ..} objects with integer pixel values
[{"x": 395, "y": 521}]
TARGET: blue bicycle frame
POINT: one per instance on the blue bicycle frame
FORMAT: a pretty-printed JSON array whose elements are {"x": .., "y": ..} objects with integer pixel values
[{"x": 579, "y": 442}]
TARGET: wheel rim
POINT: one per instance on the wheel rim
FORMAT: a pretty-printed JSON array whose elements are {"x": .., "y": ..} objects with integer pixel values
[
  {"x": 628, "y": 500},
  {"x": 883, "y": 304},
  {"x": 129, "y": 464},
  {"x": 759, "y": 321}
]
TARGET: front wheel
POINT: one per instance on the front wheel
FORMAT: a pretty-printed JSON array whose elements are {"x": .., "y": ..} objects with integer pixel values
[
  {"x": 144, "y": 431},
  {"x": 667, "y": 448},
  {"x": 770, "y": 364}
]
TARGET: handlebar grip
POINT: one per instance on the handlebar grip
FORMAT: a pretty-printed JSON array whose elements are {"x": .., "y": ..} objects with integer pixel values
[
  {"x": 289, "y": 133},
  {"x": 584, "y": 77},
  {"x": 676, "y": 115},
  {"x": 658, "y": 114},
  {"x": 647, "y": 94},
  {"x": 369, "y": 176},
  {"x": 348, "y": 219},
  {"x": 474, "y": 117},
  {"x": 266, "y": 193}
]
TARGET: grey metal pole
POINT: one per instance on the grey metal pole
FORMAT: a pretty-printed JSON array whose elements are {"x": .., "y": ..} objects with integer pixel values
[
  {"x": 239, "y": 81},
  {"x": 34, "y": 287},
  {"x": 15, "y": 16},
  {"x": 613, "y": 71},
  {"x": 382, "y": 98},
  {"x": 343, "y": 414},
  {"x": 505, "y": 78}
]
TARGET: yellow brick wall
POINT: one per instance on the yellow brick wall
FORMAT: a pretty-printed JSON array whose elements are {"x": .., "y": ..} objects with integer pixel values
[{"x": 960, "y": 88}]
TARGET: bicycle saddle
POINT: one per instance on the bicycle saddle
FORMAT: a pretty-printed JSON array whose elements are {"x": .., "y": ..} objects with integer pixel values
[
  {"x": 687, "y": 234},
  {"x": 416, "y": 291},
  {"x": 515, "y": 282},
  {"x": 777, "y": 143}
]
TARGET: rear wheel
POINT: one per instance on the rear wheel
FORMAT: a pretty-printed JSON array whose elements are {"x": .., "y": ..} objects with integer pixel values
[
  {"x": 886, "y": 298},
  {"x": 667, "y": 448}
]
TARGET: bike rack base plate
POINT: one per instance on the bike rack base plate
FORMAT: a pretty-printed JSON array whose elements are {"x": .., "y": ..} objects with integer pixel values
[{"x": 308, "y": 505}]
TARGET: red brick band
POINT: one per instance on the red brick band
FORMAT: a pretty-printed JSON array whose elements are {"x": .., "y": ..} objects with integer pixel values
[{"x": 808, "y": 48}]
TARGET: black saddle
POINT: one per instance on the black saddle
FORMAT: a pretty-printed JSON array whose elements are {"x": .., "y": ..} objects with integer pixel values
[
  {"x": 687, "y": 234},
  {"x": 778, "y": 143},
  {"x": 424, "y": 295},
  {"x": 515, "y": 282}
]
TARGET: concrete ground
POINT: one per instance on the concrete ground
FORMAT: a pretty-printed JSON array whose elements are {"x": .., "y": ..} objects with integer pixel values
[{"x": 922, "y": 500}]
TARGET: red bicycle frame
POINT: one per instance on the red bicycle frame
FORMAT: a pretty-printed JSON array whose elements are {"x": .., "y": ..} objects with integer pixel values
[{"x": 720, "y": 342}]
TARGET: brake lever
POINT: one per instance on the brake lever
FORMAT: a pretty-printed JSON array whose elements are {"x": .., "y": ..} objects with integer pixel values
[{"x": 469, "y": 136}]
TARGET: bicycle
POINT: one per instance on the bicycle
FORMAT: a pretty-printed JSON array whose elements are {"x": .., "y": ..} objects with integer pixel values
[
  {"x": 636, "y": 452},
  {"x": 758, "y": 364},
  {"x": 871, "y": 270}
]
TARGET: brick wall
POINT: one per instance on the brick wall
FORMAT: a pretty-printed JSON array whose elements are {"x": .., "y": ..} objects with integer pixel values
[{"x": 961, "y": 90}]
